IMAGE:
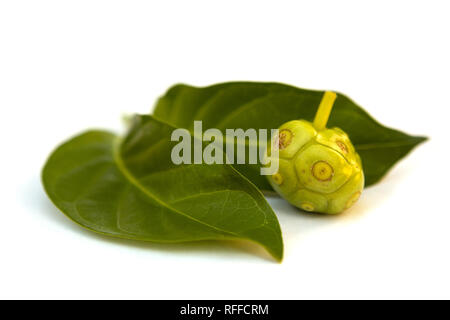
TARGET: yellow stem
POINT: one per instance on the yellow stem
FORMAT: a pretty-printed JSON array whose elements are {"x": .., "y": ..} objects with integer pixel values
[{"x": 324, "y": 110}]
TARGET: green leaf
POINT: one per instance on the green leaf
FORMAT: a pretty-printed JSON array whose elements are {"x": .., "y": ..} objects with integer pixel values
[
  {"x": 268, "y": 105},
  {"x": 131, "y": 189}
]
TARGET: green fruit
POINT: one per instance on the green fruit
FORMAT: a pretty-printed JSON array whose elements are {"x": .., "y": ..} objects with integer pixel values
[{"x": 319, "y": 169}]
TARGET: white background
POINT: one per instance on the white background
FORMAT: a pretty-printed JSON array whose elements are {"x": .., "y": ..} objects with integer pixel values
[{"x": 66, "y": 66}]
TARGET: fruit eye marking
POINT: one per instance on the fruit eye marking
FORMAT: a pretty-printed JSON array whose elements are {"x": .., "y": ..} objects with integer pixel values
[
  {"x": 342, "y": 146},
  {"x": 284, "y": 138},
  {"x": 277, "y": 178},
  {"x": 322, "y": 171},
  {"x": 307, "y": 207}
]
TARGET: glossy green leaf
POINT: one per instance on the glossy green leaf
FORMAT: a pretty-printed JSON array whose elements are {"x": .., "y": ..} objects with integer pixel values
[
  {"x": 130, "y": 188},
  {"x": 269, "y": 105}
]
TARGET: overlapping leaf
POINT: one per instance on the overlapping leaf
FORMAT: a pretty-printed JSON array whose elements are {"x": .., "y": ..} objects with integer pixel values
[
  {"x": 130, "y": 188},
  {"x": 268, "y": 105}
]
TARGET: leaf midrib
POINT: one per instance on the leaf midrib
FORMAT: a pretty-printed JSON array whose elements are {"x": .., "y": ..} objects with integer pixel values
[
  {"x": 388, "y": 144},
  {"x": 123, "y": 169}
]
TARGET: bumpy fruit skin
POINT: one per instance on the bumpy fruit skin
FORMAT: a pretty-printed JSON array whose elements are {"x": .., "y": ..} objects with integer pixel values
[{"x": 319, "y": 171}]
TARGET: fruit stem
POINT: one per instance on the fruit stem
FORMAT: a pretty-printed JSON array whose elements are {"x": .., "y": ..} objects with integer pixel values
[{"x": 324, "y": 110}]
